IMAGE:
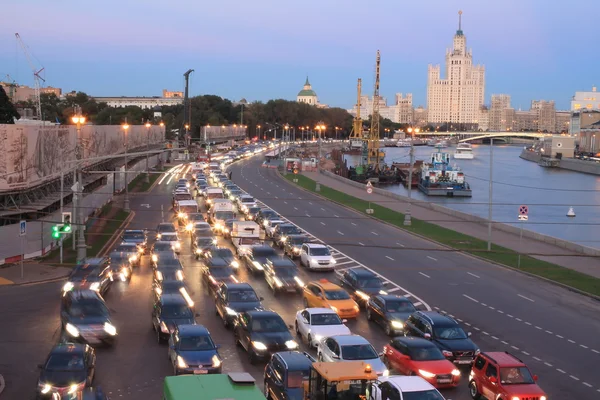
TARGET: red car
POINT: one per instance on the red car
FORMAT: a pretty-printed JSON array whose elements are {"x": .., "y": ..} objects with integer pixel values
[
  {"x": 500, "y": 375},
  {"x": 416, "y": 356}
]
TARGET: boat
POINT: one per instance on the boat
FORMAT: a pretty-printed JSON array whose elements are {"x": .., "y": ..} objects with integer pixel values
[
  {"x": 404, "y": 143},
  {"x": 463, "y": 151},
  {"x": 439, "y": 178},
  {"x": 441, "y": 144}
]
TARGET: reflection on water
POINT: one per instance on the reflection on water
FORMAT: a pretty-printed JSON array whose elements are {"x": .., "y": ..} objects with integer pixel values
[{"x": 549, "y": 192}]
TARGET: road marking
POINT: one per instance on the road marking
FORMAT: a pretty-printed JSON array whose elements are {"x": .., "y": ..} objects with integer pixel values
[
  {"x": 538, "y": 327},
  {"x": 547, "y": 364},
  {"x": 389, "y": 258},
  {"x": 494, "y": 337},
  {"x": 596, "y": 351},
  {"x": 276, "y": 197},
  {"x": 491, "y": 308},
  {"x": 573, "y": 377},
  {"x": 476, "y": 276},
  {"x": 470, "y": 298},
  {"x": 285, "y": 202},
  {"x": 2, "y": 384},
  {"x": 583, "y": 346},
  {"x": 515, "y": 347},
  {"x": 296, "y": 208},
  {"x": 393, "y": 289},
  {"x": 586, "y": 384},
  {"x": 524, "y": 352},
  {"x": 375, "y": 233},
  {"x": 559, "y": 336},
  {"x": 322, "y": 223},
  {"x": 400, "y": 244},
  {"x": 353, "y": 223},
  {"x": 561, "y": 371},
  {"x": 485, "y": 333},
  {"x": 537, "y": 359},
  {"x": 322, "y": 209},
  {"x": 500, "y": 311},
  {"x": 504, "y": 342},
  {"x": 431, "y": 258},
  {"x": 570, "y": 341},
  {"x": 308, "y": 215},
  {"x": 549, "y": 332},
  {"x": 345, "y": 262},
  {"x": 337, "y": 216},
  {"x": 362, "y": 244},
  {"x": 425, "y": 275},
  {"x": 509, "y": 316},
  {"x": 417, "y": 304},
  {"x": 528, "y": 323},
  {"x": 340, "y": 233},
  {"x": 526, "y": 298},
  {"x": 518, "y": 319},
  {"x": 310, "y": 203}
]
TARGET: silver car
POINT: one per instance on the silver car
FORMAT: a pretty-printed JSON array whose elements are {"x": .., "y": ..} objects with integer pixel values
[{"x": 350, "y": 348}]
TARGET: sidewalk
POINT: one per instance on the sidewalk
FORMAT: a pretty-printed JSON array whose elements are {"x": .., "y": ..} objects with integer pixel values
[
  {"x": 32, "y": 273},
  {"x": 560, "y": 256}
]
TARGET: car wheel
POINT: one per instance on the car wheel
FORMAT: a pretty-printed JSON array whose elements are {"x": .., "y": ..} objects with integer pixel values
[
  {"x": 369, "y": 315},
  {"x": 252, "y": 357},
  {"x": 309, "y": 341},
  {"x": 473, "y": 391},
  {"x": 320, "y": 357},
  {"x": 305, "y": 301},
  {"x": 388, "y": 330},
  {"x": 158, "y": 338},
  {"x": 175, "y": 372},
  {"x": 267, "y": 393},
  {"x": 297, "y": 330}
]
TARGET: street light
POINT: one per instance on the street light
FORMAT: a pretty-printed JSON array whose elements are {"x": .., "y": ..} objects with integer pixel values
[
  {"x": 125, "y": 127},
  {"x": 407, "y": 215},
  {"x": 79, "y": 120},
  {"x": 147, "y": 125}
]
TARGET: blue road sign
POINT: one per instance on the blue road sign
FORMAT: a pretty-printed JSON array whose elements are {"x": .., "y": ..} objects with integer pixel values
[{"x": 22, "y": 228}]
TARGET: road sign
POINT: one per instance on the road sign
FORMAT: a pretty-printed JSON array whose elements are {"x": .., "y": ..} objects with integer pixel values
[
  {"x": 523, "y": 218},
  {"x": 295, "y": 164},
  {"x": 22, "y": 228},
  {"x": 523, "y": 210},
  {"x": 295, "y": 170},
  {"x": 145, "y": 205},
  {"x": 369, "y": 190},
  {"x": 369, "y": 184}
]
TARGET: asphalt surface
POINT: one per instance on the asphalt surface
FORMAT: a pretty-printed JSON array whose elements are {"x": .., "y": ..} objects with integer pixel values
[{"x": 135, "y": 368}]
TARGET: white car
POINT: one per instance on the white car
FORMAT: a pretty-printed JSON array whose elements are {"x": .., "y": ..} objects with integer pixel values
[
  {"x": 314, "y": 324},
  {"x": 173, "y": 238},
  {"x": 350, "y": 348},
  {"x": 271, "y": 225},
  {"x": 401, "y": 388},
  {"x": 316, "y": 257}
]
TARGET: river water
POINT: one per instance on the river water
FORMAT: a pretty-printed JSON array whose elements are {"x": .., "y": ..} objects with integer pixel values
[{"x": 548, "y": 192}]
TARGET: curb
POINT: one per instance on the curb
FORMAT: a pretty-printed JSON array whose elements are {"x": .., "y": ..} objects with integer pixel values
[
  {"x": 2, "y": 384},
  {"x": 564, "y": 286},
  {"x": 113, "y": 239},
  {"x": 31, "y": 283}
]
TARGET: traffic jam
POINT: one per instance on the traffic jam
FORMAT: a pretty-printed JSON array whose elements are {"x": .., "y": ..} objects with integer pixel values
[{"x": 232, "y": 235}]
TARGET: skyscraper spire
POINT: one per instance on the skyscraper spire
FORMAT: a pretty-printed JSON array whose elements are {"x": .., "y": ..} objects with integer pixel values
[{"x": 459, "y": 31}]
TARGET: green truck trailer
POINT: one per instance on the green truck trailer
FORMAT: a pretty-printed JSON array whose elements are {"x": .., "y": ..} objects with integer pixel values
[{"x": 232, "y": 386}]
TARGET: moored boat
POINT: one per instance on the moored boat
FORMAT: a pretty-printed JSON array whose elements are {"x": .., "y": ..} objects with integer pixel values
[
  {"x": 439, "y": 178},
  {"x": 464, "y": 151}
]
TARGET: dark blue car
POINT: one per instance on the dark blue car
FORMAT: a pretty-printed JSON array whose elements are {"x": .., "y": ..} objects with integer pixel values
[
  {"x": 192, "y": 351},
  {"x": 285, "y": 373},
  {"x": 168, "y": 312},
  {"x": 68, "y": 368}
]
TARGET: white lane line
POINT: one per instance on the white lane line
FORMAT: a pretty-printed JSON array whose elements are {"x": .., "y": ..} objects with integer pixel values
[
  {"x": 308, "y": 215},
  {"x": 570, "y": 341},
  {"x": 431, "y": 258},
  {"x": 549, "y": 332},
  {"x": 596, "y": 351},
  {"x": 361, "y": 243},
  {"x": 561, "y": 371},
  {"x": 400, "y": 244},
  {"x": 345, "y": 262},
  {"x": 393, "y": 289},
  {"x": 353, "y": 223},
  {"x": 573, "y": 377},
  {"x": 296, "y": 208},
  {"x": 310, "y": 203},
  {"x": 583, "y": 346},
  {"x": 337, "y": 216},
  {"x": 547, "y": 364},
  {"x": 340, "y": 233},
  {"x": 476, "y": 276},
  {"x": 322, "y": 223},
  {"x": 559, "y": 336},
  {"x": 470, "y": 298},
  {"x": 526, "y": 298},
  {"x": 285, "y": 202},
  {"x": 515, "y": 347},
  {"x": 417, "y": 304},
  {"x": 526, "y": 353},
  {"x": 504, "y": 342},
  {"x": 322, "y": 209},
  {"x": 537, "y": 359},
  {"x": 269, "y": 193},
  {"x": 375, "y": 233},
  {"x": 425, "y": 275},
  {"x": 276, "y": 197},
  {"x": 389, "y": 258},
  {"x": 586, "y": 384},
  {"x": 494, "y": 337}
]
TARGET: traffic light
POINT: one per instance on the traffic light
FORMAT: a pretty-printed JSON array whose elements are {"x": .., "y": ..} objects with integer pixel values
[
  {"x": 56, "y": 231},
  {"x": 63, "y": 228}
]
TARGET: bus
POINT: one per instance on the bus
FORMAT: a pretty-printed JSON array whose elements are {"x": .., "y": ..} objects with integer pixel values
[{"x": 232, "y": 386}]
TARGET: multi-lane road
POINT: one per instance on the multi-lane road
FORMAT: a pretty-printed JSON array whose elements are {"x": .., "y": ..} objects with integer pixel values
[{"x": 551, "y": 329}]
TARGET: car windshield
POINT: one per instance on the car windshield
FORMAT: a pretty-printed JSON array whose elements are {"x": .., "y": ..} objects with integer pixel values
[
  {"x": 425, "y": 353},
  {"x": 223, "y": 252},
  {"x": 204, "y": 232},
  {"x": 266, "y": 252},
  {"x": 253, "y": 210},
  {"x": 240, "y": 296},
  {"x": 272, "y": 324},
  {"x": 516, "y": 376},
  {"x": 205, "y": 240},
  {"x": 449, "y": 333},
  {"x": 133, "y": 235},
  {"x": 325, "y": 319},
  {"x": 247, "y": 199},
  {"x": 286, "y": 272},
  {"x": 399, "y": 306},
  {"x": 288, "y": 229},
  {"x": 162, "y": 228},
  {"x": 423, "y": 395},
  {"x": 81, "y": 274},
  {"x": 172, "y": 286},
  {"x": 65, "y": 362},
  {"x": 295, "y": 379},
  {"x": 158, "y": 247},
  {"x": 299, "y": 240},
  {"x": 196, "y": 343},
  {"x": 336, "y": 295},
  {"x": 221, "y": 272},
  {"x": 320, "y": 251},
  {"x": 168, "y": 238},
  {"x": 223, "y": 215},
  {"x": 358, "y": 352},
  {"x": 370, "y": 283},
  {"x": 117, "y": 261},
  {"x": 126, "y": 249},
  {"x": 169, "y": 263},
  {"x": 183, "y": 196},
  {"x": 83, "y": 309},
  {"x": 268, "y": 213},
  {"x": 176, "y": 311}
]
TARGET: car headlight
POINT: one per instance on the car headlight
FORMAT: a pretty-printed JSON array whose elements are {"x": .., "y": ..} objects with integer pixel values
[
  {"x": 356, "y": 308},
  {"x": 187, "y": 185},
  {"x": 290, "y": 344},
  {"x": 397, "y": 325},
  {"x": 265, "y": 223},
  {"x": 177, "y": 245},
  {"x": 181, "y": 215},
  {"x": 235, "y": 264},
  {"x": 386, "y": 372},
  {"x": 455, "y": 372},
  {"x": 257, "y": 265},
  {"x": 426, "y": 374},
  {"x": 299, "y": 281},
  {"x": 181, "y": 362},
  {"x": 284, "y": 238},
  {"x": 362, "y": 295},
  {"x": 318, "y": 337},
  {"x": 163, "y": 327},
  {"x": 158, "y": 235},
  {"x": 45, "y": 388},
  {"x": 278, "y": 282},
  {"x": 140, "y": 249},
  {"x": 514, "y": 398},
  {"x": 216, "y": 362},
  {"x": 447, "y": 353},
  {"x": 189, "y": 227},
  {"x": 542, "y": 397},
  {"x": 72, "y": 330},
  {"x": 154, "y": 258},
  {"x": 259, "y": 345},
  {"x": 218, "y": 226},
  {"x": 133, "y": 258},
  {"x": 95, "y": 286},
  {"x": 159, "y": 275},
  {"x": 110, "y": 329},
  {"x": 231, "y": 311},
  {"x": 250, "y": 217},
  {"x": 297, "y": 250},
  {"x": 68, "y": 286},
  {"x": 333, "y": 261}
]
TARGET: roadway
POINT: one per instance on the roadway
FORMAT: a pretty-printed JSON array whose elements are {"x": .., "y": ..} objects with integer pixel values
[{"x": 135, "y": 368}]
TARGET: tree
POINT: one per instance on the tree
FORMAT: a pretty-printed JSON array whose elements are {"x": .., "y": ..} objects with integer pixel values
[{"x": 8, "y": 112}]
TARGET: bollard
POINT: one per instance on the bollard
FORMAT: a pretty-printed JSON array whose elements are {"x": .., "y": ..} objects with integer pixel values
[{"x": 318, "y": 187}]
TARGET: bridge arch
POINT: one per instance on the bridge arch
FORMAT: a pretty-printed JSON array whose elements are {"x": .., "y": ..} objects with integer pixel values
[{"x": 494, "y": 135}]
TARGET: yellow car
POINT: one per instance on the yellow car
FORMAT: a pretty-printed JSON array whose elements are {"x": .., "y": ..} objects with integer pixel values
[{"x": 323, "y": 293}]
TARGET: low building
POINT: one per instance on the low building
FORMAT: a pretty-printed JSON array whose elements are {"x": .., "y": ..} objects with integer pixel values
[
  {"x": 142, "y": 102},
  {"x": 420, "y": 117},
  {"x": 586, "y": 100},
  {"x": 582, "y": 118},
  {"x": 169, "y": 94},
  {"x": 559, "y": 147},
  {"x": 589, "y": 135},
  {"x": 21, "y": 93},
  {"x": 563, "y": 120}
]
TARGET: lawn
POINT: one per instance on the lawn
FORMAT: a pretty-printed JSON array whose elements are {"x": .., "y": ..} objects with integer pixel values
[
  {"x": 459, "y": 241},
  {"x": 139, "y": 184}
]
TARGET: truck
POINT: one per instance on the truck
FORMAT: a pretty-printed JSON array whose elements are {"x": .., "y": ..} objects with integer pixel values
[
  {"x": 244, "y": 235},
  {"x": 185, "y": 208},
  {"x": 232, "y": 386},
  {"x": 213, "y": 193},
  {"x": 221, "y": 211}
]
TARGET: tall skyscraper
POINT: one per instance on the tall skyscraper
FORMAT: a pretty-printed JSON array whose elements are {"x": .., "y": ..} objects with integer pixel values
[{"x": 457, "y": 98}]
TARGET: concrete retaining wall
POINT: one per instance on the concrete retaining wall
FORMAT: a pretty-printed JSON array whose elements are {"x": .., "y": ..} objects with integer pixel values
[
  {"x": 530, "y": 156},
  {"x": 574, "y": 247},
  {"x": 588, "y": 167}
]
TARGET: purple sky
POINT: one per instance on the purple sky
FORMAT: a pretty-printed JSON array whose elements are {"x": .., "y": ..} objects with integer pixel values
[{"x": 263, "y": 49}]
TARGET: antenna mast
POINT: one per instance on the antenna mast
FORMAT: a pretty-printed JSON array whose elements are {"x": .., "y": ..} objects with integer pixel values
[{"x": 36, "y": 77}]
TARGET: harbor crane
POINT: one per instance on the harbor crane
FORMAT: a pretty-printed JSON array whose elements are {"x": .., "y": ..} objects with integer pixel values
[
  {"x": 356, "y": 136},
  {"x": 36, "y": 77},
  {"x": 371, "y": 154}
]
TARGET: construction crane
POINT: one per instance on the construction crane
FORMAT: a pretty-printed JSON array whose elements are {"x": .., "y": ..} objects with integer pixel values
[
  {"x": 372, "y": 156},
  {"x": 11, "y": 88},
  {"x": 36, "y": 77},
  {"x": 357, "y": 127}
]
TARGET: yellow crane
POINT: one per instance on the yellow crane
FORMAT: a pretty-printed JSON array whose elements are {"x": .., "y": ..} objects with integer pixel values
[
  {"x": 372, "y": 156},
  {"x": 357, "y": 127}
]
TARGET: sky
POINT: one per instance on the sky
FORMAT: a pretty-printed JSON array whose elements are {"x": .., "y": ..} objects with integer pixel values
[{"x": 264, "y": 49}]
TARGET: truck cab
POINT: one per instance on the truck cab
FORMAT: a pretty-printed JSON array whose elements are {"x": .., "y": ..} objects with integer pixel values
[{"x": 244, "y": 235}]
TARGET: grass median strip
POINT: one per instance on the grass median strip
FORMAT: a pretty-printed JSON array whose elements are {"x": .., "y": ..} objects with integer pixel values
[
  {"x": 139, "y": 184},
  {"x": 458, "y": 241}
]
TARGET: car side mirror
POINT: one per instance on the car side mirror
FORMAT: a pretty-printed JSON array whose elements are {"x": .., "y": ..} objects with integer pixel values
[
  {"x": 535, "y": 378},
  {"x": 493, "y": 379},
  {"x": 305, "y": 321},
  {"x": 261, "y": 298},
  {"x": 381, "y": 354},
  {"x": 197, "y": 314},
  {"x": 40, "y": 366},
  {"x": 427, "y": 336},
  {"x": 336, "y": 357},
  {"x": 218, "y": 346},
  {"x": 469, "y": 334}
]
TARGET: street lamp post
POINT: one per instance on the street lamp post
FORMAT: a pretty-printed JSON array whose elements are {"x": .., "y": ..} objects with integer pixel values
[
  {"x": 407, "y": 215},
  {"x": 491, "y": 189},
  {"x": 148, "y": 125},
  {"x": 259, "y": 133},
  {"x": 81, "y": 246},
  {"x": 125, "y": 127}
]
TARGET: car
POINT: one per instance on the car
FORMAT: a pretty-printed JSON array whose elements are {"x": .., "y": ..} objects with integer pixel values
[
  {"x": 169, "y": 311},
  {"x": 85, "y": 318},
  {"x": 168, "y": 270},
  {"x": 165, "y": 227},
  {"x": 68, "y": 369},
  {"x": 233, "y": 298},
  {"x": 202, "y": 244},
  {"x": 223, "y": 253},
  {"x": 293, "y": 245},
  {"x": 245, "y": 201},
  {"x": 216, "y": 271},
  {"x": 192, "y": 351},
  {"x": 445, "y": 333},
  {"x": 282, "y": 231},
  {"x": 281, "y": 275},
  {"x": 120, "y": 267},
  {"x": 200, "y": 228},
  {"x": 501, "y": 375},
  {"x": 389, "y": 311},
  {"x": 234, "y": 194},
  {"x": 169, "y": 287},
  {"x": 323, "y": 293},
  {"x": 316, "y": 257},
  {"x": 271, "y": 224},
  {"x": 262, "y": 333},
  {"x": 132, "y": 251},
  {"x": 266, "y": 214},
  {"x": 361, "y": 284},
  {"x": 402, "y": 388},
  {"x": 93, "y": 273},
  {"x": 313, "y": 324},
  {"x": 169, "y": 254},
  {"x": 256, "y": 257},
  {"x": 350, "y": 348},
  {"x": 251, "y": 213},
  {"x": 229, "y": 187},
  {"x": 416, "y": 356},
  {"x": 285, "y": 373},
  {"x": 173, "y": 238},
  {"x": 137, "y": 236},
  {"x": 195, "y": 218}
]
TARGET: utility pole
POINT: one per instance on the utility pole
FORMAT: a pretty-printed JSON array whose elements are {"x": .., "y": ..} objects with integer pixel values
[
  {"x": 126, "y": 202},
  {"x": 148, "y": 125},
  {"x": 407, "y": 216},
  {"x": 78, "y": 189},
  {"x": 491, "y": 187},
  {"x": 186, "y": 104}
]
